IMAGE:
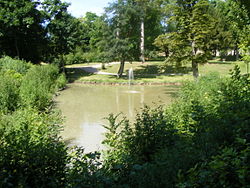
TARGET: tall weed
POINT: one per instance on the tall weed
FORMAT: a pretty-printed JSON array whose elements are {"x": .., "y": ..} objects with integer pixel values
[
  {"x": 39, "y": 85},
  {"x": 7, "y": 63},
  {"x": 9, "y": 91}
]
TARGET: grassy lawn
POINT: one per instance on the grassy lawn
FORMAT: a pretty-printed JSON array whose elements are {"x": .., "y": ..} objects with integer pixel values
[{"x": 151, "y": 72}]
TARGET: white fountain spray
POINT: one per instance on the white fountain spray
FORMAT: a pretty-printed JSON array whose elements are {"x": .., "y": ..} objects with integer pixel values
[{"x": 130, "y": 76}]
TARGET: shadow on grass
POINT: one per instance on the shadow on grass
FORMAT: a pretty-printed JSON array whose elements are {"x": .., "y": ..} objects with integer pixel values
[
  {"x": 169, "y": 69},
  {"x": 221, "y": 62},
  {"x": 151, "y": 71},
  {"x": 75, "y": 73}
]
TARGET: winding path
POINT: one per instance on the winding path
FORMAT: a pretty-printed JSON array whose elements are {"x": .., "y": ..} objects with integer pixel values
[{"x": 95, "y": 69}]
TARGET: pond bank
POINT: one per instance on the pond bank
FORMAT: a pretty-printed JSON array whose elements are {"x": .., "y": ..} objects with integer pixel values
[{"x": 126, "y": 83}]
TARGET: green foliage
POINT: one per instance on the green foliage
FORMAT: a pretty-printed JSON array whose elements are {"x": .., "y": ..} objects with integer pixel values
[
  {"x": 45, "y": 81},
  {"x": 30, "y": 152},
  {"x": 163, "y": 44},
  {"x": 201, "y": 140},
  {"x": 94, "y": 57},
  {"x": 7, "y": 63},
  {"x": 65, "y": 33},
  {"x": 230, "y": 168},
  {"x": 21, "y": 29},
  {"x": 190, "y": 41},
  {"x": 9, "y": 91},
  {"x": 202, "y": 30},
  {"x": 75, "y": 58},
  {"x": 132, "y": 150},
  {"x": 85, "y": 170}
]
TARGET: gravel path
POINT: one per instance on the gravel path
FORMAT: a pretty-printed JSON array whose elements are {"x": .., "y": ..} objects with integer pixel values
[{"x": 95, "y": 69}]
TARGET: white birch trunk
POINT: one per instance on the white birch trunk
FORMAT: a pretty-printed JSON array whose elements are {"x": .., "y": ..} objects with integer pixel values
[{"x": 142, "y": 42}]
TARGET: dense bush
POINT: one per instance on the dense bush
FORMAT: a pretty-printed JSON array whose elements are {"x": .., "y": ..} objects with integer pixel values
[
  {"x": 74, "y": 58},
  {"x": 9, "y": 91},
  {"x": 39, "y": 85},
  {"x": 30, "y": 152},
  {"x": 7, "y": 63},
  {"x": 92, "y": 57}
]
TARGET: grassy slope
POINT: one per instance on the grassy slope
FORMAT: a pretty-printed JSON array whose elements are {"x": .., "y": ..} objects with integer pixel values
[{"x": 152, "y": 72}]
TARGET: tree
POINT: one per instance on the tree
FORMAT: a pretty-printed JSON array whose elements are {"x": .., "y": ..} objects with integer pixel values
[
  {"x": 150, "y": 23},
  {"x": 64, "y": 34},
  {"x": 21, "y": 31},
  {"x": 245, "y": 4},
  {"x": 91, "y": 25},
  {"x": 221, "y": 36},
  {"x": 163, "y": 44},
  {"x": 64, "y": 31},
  {"x": 120, "y": 34},
  {"x": 132, "y": 24},
  {"x": 190, "y": 41},
  {"x": 245, "y": 46},
  {"x": 92, "y": 34},
  {"x": 238, "y": 18}
]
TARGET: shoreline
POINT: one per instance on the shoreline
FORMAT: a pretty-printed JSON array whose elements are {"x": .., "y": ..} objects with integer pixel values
[{"x": 124, "y": 83}]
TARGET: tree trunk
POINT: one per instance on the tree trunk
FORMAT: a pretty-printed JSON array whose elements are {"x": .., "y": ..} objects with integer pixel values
[
  {"x": 194, "y": 62},
  {"x": 195, "y": 69},
  {"x": 166, "y": 51},
  {"x": 236, "y": 53},
  {"x": 142, "y": 42},
  {"x": 121, "y": 69}
]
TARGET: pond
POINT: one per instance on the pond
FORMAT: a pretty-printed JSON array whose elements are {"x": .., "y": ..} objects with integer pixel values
[{"x": 86, "y": 106}]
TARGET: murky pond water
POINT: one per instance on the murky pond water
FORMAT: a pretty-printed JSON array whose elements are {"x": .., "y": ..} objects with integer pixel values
[{"x": 86, "y": 106}]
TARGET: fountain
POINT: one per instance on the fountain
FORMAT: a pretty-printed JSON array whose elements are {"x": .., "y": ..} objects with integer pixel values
[
  {"x": 130, "y": 76},
  {"x": 130, "y": 81}
]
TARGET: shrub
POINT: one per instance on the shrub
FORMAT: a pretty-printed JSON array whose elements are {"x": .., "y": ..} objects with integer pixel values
[
  {"x": 132, "y": 149},
  {"x": 85, "y": 170},
  {"x": 74, "y": 58},
  {"x": 229, "y": 168},
  {"x": 39, "y": 85},
  {"x": 61, "y": 81},
  {"x": 30, "y": 153},
  {"x": 92, "y": 57},
  {"x": 216, "y": 130},
  {"x": 7, "y": 63},
  {"x": 9, "y": 91}
]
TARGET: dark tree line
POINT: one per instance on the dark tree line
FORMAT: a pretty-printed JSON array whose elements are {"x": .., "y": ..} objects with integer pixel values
[{"x": 35, "y": 30}]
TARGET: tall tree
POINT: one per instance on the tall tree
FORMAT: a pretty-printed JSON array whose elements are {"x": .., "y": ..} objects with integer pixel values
[
  {"x": 193, "y": 31},
  {"x": 28, "y": 28},
  {"x": 150, "y": 23},
  {"x": 132, "y": 23},
  {"x": 64, "y": 35},
  {"x": 92, "y": 27},
  {"x": 236, "y": 18},
  {"x": 121, "y": 41},
  {"x": 21, "y": 31}
]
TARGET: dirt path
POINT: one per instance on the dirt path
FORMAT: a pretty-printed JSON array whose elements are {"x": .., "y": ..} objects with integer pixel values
[{"x": 95, "y": 69}]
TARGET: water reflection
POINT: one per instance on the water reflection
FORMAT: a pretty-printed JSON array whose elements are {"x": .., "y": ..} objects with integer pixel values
[{"x": 86, "y": 106}]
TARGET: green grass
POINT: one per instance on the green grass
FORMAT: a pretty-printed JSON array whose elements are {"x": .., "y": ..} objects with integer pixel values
[{"x": 151, "y": 72}]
